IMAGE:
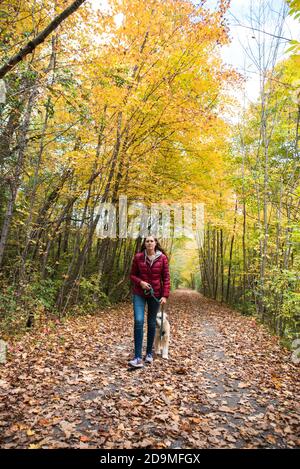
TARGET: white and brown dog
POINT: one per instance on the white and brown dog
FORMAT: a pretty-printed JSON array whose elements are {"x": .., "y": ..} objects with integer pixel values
[{"x": 162, "y": 334}]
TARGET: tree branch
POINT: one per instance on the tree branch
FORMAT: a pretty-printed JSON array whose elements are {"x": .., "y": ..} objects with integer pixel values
[{"x": 39, "y": 38}]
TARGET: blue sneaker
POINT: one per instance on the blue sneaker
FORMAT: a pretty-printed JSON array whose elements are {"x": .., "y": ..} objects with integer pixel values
[
  {"x": 149, "y": 358},
  {"x": 136, "y": 363}
]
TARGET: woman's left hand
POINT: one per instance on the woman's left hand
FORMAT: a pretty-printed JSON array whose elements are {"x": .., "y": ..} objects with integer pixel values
[{"x": 163, "y": 300}]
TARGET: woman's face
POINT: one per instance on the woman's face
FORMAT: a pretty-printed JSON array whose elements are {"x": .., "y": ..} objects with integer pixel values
[{"x": 150, "y": 243}]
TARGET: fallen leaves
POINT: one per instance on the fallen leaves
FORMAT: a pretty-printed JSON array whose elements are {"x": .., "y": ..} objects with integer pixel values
[
  {"x": 67, "y": 428},
  {"x": 224, "y": 408},
  {"x": 4, "y": 384},
  {"x": 243, "y": 385},
  {"x": 224, "y": 385}
]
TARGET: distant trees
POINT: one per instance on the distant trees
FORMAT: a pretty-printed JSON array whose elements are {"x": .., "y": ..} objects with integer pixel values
[{"x": 120, "y": 101}]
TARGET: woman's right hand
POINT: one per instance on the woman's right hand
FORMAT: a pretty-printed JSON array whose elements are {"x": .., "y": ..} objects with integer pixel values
[{"x": 145, "y": 285}]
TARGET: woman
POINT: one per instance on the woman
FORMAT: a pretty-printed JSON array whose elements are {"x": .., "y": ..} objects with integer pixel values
[{"x": 150, "y": 270}]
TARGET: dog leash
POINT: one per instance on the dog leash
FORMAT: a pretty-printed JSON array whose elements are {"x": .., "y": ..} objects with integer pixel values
[
  {"x": 161, "y": 323},
  {"x": 151, "y": 291}
]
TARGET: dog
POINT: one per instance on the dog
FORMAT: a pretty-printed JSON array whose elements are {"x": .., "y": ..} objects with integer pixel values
[{"x": 161, "y": 345}]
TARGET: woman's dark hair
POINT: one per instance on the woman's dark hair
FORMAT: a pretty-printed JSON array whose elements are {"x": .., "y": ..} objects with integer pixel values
[{"x": 157, "y": 245}]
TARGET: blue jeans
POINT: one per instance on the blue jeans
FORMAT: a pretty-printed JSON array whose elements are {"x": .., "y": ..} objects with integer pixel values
[{"x": 139, "y": 303}]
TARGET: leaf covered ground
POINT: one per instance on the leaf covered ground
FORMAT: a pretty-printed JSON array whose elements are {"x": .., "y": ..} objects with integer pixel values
[{"x": 227, "y": 384}]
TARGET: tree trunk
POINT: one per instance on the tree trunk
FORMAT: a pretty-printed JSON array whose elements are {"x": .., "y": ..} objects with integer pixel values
[{"x": 16, "y": 179}]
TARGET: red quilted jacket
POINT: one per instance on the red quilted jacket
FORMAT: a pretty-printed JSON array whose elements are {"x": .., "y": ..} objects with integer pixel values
[{"x": 157, "y": 275}]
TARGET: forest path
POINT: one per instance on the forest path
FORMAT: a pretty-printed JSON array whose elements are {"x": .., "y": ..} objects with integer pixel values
[{"x": 227, "y": 384}]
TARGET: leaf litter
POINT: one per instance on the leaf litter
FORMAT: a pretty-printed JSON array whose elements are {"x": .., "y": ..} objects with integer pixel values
[{"x": 227, "y": 384}]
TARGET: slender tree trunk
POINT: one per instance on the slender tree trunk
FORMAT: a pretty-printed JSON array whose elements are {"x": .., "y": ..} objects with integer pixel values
[
  {"x": 222, "y": 265},
  {"x": 51, "y": 68},
  {"x": 76, "y": 269},
  {"x": 16, "y": 180},
  {"x": 230, "y": 253},
  {"x": 217, "y": 265}
]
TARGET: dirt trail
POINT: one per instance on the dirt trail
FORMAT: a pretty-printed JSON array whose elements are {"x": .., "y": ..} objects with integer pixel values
[{"x": 227, "y": 384}]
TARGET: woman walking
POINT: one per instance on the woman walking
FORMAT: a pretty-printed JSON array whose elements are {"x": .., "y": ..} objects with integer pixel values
[{"x": 151, "y": 284}]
